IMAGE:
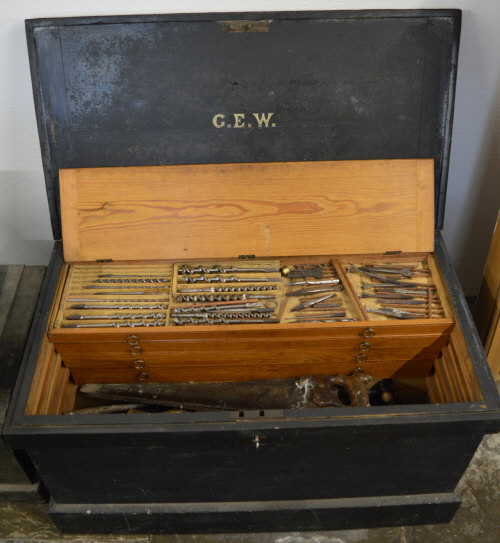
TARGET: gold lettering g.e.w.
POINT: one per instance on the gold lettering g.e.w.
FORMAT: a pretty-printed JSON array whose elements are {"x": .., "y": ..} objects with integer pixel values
[{"x": 262, "y": 120}]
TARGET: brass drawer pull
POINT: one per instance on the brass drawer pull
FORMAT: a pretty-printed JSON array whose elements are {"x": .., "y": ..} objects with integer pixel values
[
  {"x": 142, "y": 376},
  {"x": 139, "y": 364},
  {"x": 364, "y": 346},
  {"x": 133, "y": 339},
  {"x": 368, "y": 332},
  {"x": 135, "y": 349},
  {"x": 361, "y": 357}
]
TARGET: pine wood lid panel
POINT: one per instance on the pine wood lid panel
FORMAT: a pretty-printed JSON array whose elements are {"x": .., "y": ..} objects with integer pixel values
[{"x": 266, "y": 209}]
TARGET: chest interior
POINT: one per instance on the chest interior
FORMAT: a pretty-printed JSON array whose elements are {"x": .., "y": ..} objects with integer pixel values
[{"x": 248, "y": 272}]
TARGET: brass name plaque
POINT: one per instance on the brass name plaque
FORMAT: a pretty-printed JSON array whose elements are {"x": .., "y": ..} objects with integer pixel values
[{"x": 245, "y": 26}]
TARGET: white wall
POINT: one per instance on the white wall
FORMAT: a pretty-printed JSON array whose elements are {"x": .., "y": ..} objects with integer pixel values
[{"x": 473, "y": 190}]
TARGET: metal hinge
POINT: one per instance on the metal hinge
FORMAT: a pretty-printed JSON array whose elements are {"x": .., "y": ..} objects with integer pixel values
[
  {"x": 246, "y": 257},
  {"x": 104, "y": 260},
  {"x": 393, "y": 252}
]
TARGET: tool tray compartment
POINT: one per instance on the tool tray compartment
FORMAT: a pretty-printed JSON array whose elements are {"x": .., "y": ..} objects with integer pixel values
[
  {"x": 149, "y": 329},
  {"x": 153, "y": 321},
  {"x": 201, "y": 352},
  {"x": 386, "y": 347}
]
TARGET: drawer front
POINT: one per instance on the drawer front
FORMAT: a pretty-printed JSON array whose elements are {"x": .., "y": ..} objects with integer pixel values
[
  {"x": 193, "y": 355},
  {"x": 248, "y": 372},
  {"x": 252, "y": 333},
  {"x": 262, "y": 345},
  {"x": 245, "y": 358}
]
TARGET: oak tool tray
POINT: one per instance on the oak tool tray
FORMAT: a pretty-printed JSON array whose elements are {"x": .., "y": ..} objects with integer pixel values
[
  {"x": 210, "y": 213},
  {"x": 195, "y": 165}
]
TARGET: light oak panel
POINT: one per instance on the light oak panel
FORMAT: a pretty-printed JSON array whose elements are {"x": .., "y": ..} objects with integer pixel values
[
  {"x": 217, "y": 358},
  {"x": 254, "y": 332},
  {"x": 243, "y": 344},
  {"x": 225, "y": 210},
  {"x": 182, "y": 374}
]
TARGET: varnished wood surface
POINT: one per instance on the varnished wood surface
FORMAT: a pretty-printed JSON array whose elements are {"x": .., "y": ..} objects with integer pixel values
[
  {"x": 462, "y": 359},
  {"x": 399, "y": 368},
  {"x": 266, "y": 209},
  {"x": 401, "y": 333},
  {"x": 454, "y": 378},
  {"x": 252, "y": 332},
  {"x": 237, "y": 358},
  {"x": 237, "y": 353},
  {"x": 242, "y": 344},
  {"x": 52, "y": 390}
]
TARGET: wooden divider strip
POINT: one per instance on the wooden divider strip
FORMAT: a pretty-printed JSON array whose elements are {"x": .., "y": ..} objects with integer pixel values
[
  {"x": 48, "y": 385},
  {"x": 56, "y": 391},
  {"x": 464, "y": 363},
  {"x": 432, "y": 391},
  {"x": 450, "y": 371},
  {"x": 439, "y": 388},
  {"x": 439, "y": 282},
  {"x": 42, "y": 367},
  {"x": 351, "y": 292},
  {"x": 447, "y": 376}
]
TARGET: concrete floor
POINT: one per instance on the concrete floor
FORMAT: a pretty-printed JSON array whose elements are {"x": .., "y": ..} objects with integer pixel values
[{"x": 477, "y": 520}]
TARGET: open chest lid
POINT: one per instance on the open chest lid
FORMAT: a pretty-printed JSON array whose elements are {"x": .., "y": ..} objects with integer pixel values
[{"x": 248, "y": 87}]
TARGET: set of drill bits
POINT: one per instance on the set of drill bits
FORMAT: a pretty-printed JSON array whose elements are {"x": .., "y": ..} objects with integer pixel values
[
  {"x": 316, "y": 288},
  {"x": 121, "y": 295},
  {"x": 397, "y": 291},
  {"x": 229, "y": 293},
  {"x": 226, "y": 294},
  {"x": 116, "y": 296},
  {"x": 236, "y": 312}
]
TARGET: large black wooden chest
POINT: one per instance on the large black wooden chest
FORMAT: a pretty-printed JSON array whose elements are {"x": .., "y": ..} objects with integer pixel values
[{"x": 233, "y": 88}]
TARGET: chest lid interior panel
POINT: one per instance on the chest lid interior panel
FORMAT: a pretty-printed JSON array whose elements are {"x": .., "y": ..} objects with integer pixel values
[{"x": 248, "y": 87}]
